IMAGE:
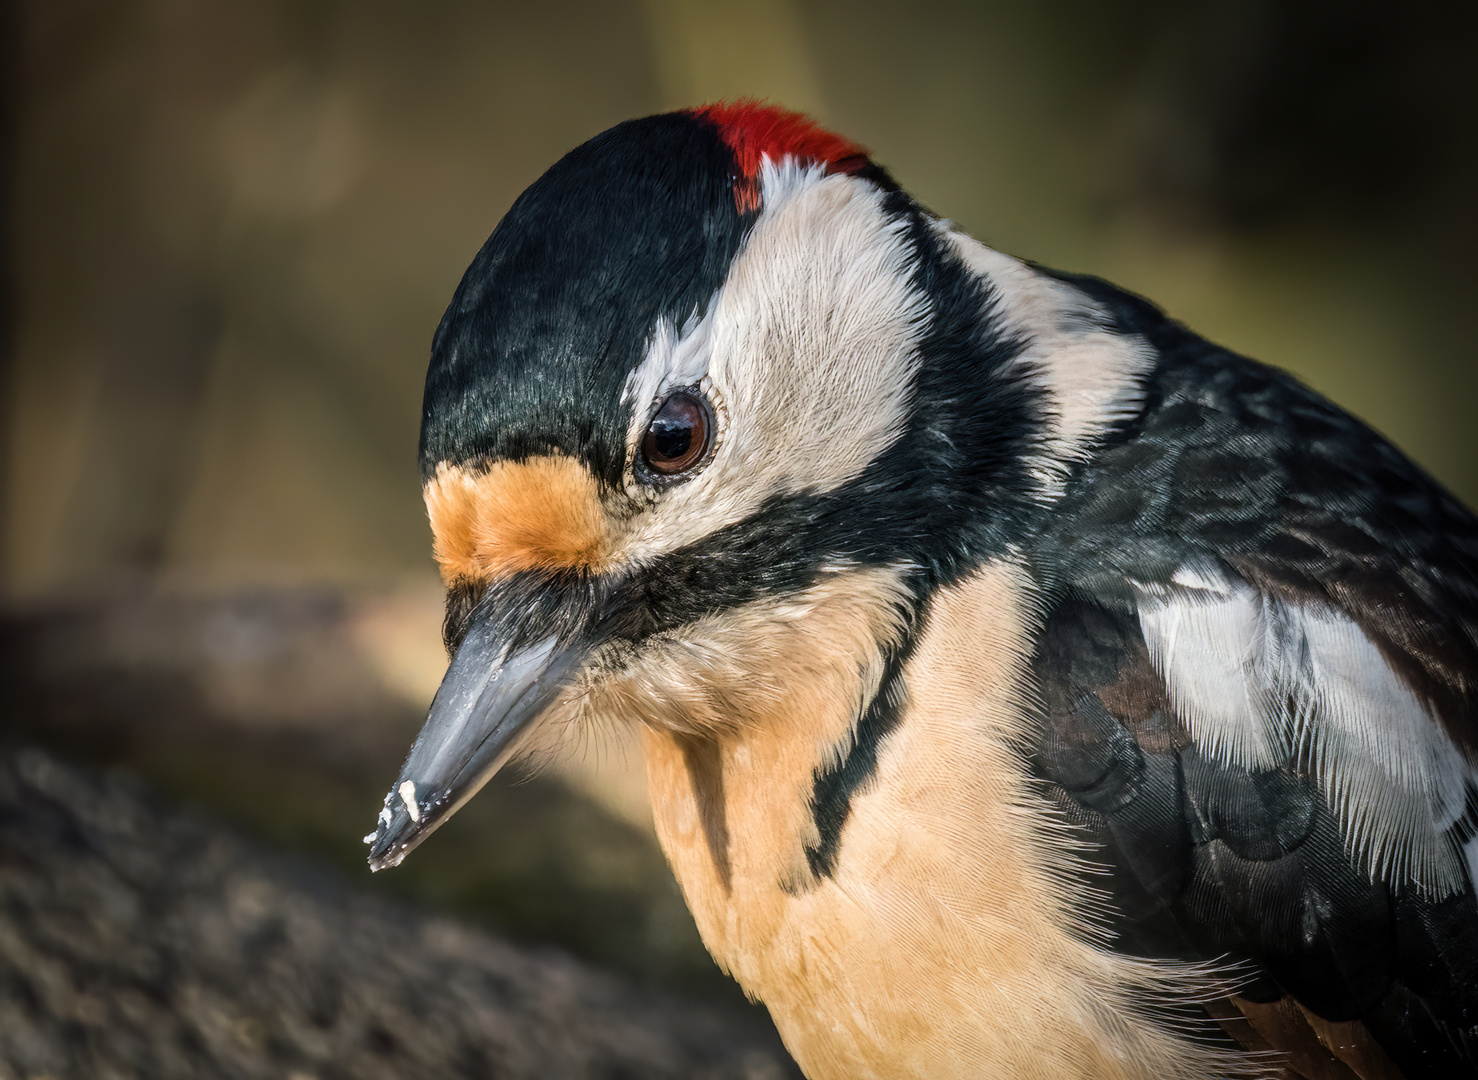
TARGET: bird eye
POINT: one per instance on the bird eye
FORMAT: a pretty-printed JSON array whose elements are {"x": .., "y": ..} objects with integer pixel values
[{"x": 678, "y": 437}]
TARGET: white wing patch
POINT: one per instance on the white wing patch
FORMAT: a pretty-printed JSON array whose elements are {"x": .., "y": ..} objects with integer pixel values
[
  {"x": 1262, "y": 683},
  {"x": 1222, "y": 660},
  {"x": 1384, "y": 763}
]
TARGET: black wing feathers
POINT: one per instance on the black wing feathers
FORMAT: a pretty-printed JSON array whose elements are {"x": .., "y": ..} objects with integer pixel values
[
  {"x": 1240, "y": 463},
  {"x": 1208, "y": 861},
  {"x": 1236, "y": 466}
]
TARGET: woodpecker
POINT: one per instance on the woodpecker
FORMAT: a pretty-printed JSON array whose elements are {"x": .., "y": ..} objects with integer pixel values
[{"x": 1028, "y": 687}]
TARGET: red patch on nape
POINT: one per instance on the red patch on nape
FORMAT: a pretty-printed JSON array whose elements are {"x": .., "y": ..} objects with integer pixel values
[{"x": 755, "y": 131}]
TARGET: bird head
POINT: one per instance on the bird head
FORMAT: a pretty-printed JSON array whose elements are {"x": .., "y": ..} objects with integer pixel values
[{"x": 711, "y": 413}]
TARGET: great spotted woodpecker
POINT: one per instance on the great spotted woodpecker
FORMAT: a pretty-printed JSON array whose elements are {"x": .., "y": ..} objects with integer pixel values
[{"x": 1028, "y": 687}]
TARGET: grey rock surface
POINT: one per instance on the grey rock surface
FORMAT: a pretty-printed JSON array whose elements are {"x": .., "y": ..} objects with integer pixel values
[{"x": 139, "y": 941}]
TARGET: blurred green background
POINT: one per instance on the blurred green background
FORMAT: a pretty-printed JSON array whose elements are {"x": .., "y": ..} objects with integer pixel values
[{"x": 233, "y": 227}]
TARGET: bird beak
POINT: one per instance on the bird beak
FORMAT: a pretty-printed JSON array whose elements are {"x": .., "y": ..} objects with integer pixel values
[{"x": 486, "y": 705}]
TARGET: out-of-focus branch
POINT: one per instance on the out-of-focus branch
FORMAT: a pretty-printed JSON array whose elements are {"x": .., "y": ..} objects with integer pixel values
[{"x": 137, "y": 941}]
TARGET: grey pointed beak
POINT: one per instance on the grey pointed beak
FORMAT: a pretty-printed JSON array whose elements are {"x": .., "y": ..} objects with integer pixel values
[{"x": 488, "y": 700}]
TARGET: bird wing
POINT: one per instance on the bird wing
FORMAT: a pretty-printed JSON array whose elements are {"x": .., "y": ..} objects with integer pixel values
[{"x": 1258, "y": 675}]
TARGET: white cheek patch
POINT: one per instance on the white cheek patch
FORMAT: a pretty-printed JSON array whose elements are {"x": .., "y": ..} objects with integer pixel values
[
  {"x": 1262, "y": 683},
  {"x": 810, "y": 349},
  {"x": 1092, "y": 374}
]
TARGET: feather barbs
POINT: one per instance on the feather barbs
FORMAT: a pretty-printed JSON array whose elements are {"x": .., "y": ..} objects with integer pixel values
[
  {"x": 755, "y": 131},
  {"x": 492, "y": 520}
]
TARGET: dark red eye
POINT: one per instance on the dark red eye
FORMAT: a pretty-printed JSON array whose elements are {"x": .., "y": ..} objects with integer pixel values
[{"x": 678, "y": 437}]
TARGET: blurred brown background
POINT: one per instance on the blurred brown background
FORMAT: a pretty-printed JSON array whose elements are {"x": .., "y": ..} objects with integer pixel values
[
  {"x": 236, "y": 224},
  {"x": 233, "y": 226}
]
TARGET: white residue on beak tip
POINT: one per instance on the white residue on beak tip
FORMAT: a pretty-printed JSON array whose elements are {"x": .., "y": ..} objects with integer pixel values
[
  {"x": 385, "y": 815},
  {"x": 408, "y": 796},
  {"x": 370, "y": 839}
]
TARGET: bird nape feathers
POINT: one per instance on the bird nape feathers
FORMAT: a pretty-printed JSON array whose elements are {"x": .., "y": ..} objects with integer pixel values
[{"x": 1028, "y": 687}]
